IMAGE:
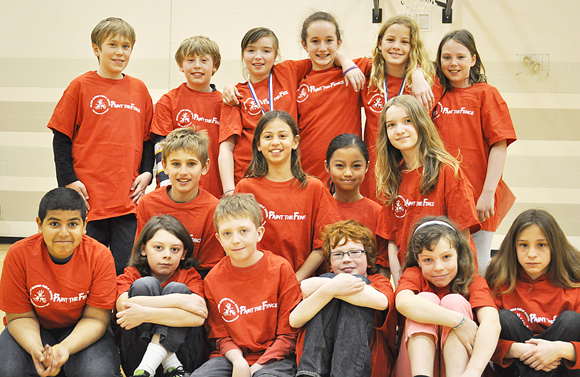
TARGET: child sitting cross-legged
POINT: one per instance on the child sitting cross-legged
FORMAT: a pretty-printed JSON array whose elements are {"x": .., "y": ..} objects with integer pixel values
[{"x": 347, "y": 316}]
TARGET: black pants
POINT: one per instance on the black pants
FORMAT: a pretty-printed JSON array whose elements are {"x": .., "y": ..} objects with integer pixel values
[{"x": 565, "y": 328}]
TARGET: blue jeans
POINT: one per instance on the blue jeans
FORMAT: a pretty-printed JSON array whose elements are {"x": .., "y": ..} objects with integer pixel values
[
  {"x": 222, "y": 367},
  {"x": 337, "y": 340},
  {"x": 100, "y": 359},
  {"x": 565, "y": 328},
  {"x": 118, "y": 234},
  {"x": 186, "y": 342}
]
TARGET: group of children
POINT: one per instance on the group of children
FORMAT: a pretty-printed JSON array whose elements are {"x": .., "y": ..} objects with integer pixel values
[{"x": 417, "y": 200}]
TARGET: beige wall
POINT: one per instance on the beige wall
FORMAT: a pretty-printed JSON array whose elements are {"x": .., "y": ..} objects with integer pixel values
[{"x": 45, "y": 44}]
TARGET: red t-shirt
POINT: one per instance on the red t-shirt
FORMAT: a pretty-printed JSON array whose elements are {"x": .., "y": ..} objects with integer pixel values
[
  {"x": 251, "y": 305},
  {"x": 189, "y": 277},
  {"x": 470, "y": 120},
  {"x": 413, "y": 280},
  {"x": 537, "y": 303},
  {"x": 293, "y": 217},
  {"x": 319, "y": 94},
  {"x": 57, "y": 293},
  {"x": 384, "y": 333},
  {"x": 242, "y": 120},
  {"x": 196, "y": 215},
  {"x": 185, "y": 107},
  {"x": 452, "y": 197},
  {"x": 367, "y": 213},
  {"x": 108, "y": 121},
  {"x": 373, "y": 101}
]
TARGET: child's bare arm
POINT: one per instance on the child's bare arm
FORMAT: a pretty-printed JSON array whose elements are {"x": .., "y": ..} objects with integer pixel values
[
  {"x": 495, "y": 165},
  {"x": 485, "y": 340},
  {"x": 310, "y": 285},
  {"x": 230, "y": 95},
  {"x": 342, "y": 285},
  {"x": 351, "y": 72},
  {"x": 421, "y": 89},
  {"x": 226, "y": 165},
  {"x": 310, "y": 265},
  {"x": 368, "y": 297},
  {"x": 393, "y": 252},
  {"x": 241, "y": 368},
  {"x": 176, "y": 310}
]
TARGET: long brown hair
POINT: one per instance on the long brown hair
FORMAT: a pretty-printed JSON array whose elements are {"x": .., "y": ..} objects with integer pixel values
[
  {"x": 427, "y": 237},
  {"x": 417, "y": 55},
  {"x": 564, "y": 267},
  {"x": 476, "y": 73},
  {"x": 430, "y": 151}
]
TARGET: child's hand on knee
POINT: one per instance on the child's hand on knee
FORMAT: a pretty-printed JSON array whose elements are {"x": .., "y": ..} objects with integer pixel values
[
  {"x": 194, "y": 304},
  {"x": 345, "y": 285},
  {"x": 466, "y": 334},
  {"x": 132, "y": 316}
]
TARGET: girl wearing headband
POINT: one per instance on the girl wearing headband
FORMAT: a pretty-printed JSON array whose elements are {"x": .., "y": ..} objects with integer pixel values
[{"x": 449, "y": 313}]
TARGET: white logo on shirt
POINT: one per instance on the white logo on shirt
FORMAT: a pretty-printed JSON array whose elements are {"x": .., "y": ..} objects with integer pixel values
[
  {"x": 272, "y": 215},
  {"x": 253, "y": 109},
  {"x": 304, "y": 90},
  {"x": 100, "y": 104},
  {"x": 302, "y": 93},
  {"x": 528, "y": 319},
  {"x": 186, "y": 117},
  {"x": 376, "y": 103},
  {"x": 442, "y": 110},
  {"x": 230, "y": 311},
  {"x": 401, "y": 205},
  {"x": 41, "y": 296}
]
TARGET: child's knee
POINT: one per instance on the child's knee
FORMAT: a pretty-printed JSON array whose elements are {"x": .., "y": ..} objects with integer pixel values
[
  {"x": 430, "y": 296},
  {"x": 145, "y": 286},
  {"x": 457, "y": 303},
  {"x": 175, "y": 287}
]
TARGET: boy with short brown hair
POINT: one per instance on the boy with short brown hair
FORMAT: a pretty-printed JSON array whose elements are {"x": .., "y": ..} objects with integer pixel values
[
  {"x": 250, "y": 294},
  {"x": 195, "y": 104},
  {"x": 185, "y": 160},
  {"x": 101, "y": 140}
]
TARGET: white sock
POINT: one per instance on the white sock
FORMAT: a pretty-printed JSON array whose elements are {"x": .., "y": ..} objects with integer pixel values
[
  {"x": 171, "y": 361},
  {"x": 152, "y": 358}
]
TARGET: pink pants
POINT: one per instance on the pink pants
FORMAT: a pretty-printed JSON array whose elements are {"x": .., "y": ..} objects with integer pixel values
[{"x": 453, "y": 302}]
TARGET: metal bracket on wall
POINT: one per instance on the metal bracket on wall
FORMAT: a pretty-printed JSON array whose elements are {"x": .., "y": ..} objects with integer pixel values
[
  {"x": 377, "y": 13},
  {"x": 447, "y": 11}
]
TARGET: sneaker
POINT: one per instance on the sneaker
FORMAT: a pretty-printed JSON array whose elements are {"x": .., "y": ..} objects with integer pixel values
[
  {"x": 141, "y": 373},
  {"x": 175, "y": 372}
]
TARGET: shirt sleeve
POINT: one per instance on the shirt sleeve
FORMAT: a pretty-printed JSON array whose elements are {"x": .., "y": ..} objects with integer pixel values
[
  {"x": 459, "y": 200},
  {"x": 63, "y": 161},
  {"x": 495, "y": 118},
  {"x": 103, "y": 292},
  {"x": 14, "y": 296},
  {"x": 162, "y": 123},
  {"x": 231, "y": 123},
  {"x": 282, "y": 348}
]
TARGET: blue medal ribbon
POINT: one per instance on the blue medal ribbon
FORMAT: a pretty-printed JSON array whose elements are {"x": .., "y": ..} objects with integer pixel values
[{"x": 269, "y": 94}]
